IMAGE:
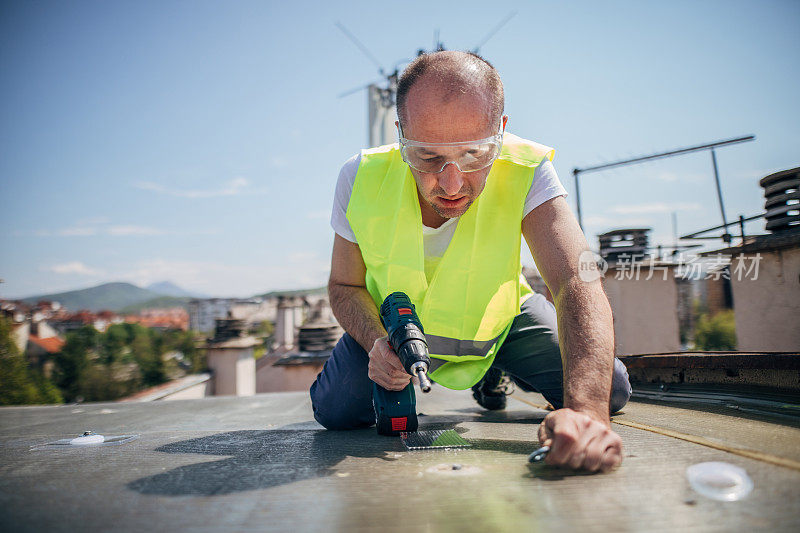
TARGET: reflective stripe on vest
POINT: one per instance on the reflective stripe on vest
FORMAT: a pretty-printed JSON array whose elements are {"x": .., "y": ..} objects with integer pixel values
[
  {"x": 473, "y": 296},
  {"x": 458, "y": 347}
]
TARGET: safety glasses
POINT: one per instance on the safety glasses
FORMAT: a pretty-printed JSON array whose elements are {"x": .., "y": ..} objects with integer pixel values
[{"x": 467, "y": 156}]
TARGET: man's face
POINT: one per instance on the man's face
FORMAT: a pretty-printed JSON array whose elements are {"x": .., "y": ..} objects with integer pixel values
[{"x": 430, "y": 118}]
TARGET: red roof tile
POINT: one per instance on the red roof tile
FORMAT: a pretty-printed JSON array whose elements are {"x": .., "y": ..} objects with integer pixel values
[{"x": 49, "y": 344}]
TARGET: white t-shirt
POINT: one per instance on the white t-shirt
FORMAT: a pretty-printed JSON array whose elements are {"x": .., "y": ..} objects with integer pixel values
[{"x": 544, "y": 187}]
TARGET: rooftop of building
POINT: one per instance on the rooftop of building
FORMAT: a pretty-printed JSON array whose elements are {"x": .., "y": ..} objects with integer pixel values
[
  {"x": 262, "y": 463},
  {"x": 48, "y": 344}
]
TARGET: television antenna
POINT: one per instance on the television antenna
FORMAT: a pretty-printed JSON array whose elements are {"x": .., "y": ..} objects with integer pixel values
[
  {"x": 726, "y": 236},
  {"x": 382, "y": 93}
]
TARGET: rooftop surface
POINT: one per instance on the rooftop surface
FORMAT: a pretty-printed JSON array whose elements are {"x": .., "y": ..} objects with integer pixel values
[{"x": 262, "y": 463}]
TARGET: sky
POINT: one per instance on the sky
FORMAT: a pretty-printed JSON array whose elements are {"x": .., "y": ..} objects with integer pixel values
[{"x": 200, "y": 142}]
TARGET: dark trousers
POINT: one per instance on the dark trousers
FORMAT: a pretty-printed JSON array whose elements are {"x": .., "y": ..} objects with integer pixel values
[{"x": 342, "y": 393}]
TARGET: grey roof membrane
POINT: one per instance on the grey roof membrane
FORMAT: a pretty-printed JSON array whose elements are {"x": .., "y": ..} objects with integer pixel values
[{"x": 262, "y": 463}]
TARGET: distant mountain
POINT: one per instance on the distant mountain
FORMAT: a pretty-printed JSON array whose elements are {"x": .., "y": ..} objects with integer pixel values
[
  {"x": 111, "y": 296},
  {"x": 128, "y": 298},
  {"x": 167, "y": 288},
  {"x": 162, "y": 302}
]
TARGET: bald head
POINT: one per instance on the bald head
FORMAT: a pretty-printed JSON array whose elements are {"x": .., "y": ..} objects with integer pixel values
[{"x": 450, "y": 75}]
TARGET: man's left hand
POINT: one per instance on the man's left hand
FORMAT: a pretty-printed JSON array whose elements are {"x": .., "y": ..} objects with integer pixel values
[{"x": 580, "y": 441}]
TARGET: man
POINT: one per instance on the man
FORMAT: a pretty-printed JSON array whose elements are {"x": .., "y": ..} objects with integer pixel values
[{"x": 440, "y": 217}]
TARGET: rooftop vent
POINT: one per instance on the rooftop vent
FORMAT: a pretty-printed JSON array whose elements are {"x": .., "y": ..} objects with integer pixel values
[
  {"x": 321, "y": 332},
  {"x": 782, "y": 200},
  {"x": 229, "y": 328},
  {"x": 624, "y": 245},
  {"x": 318, "y": 337}
]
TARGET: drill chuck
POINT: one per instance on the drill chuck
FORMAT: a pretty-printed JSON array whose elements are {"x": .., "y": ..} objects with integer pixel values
[{"x": 420, "y": 369}]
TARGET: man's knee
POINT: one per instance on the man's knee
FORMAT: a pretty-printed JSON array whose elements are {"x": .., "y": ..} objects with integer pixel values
[
  {"x": 620, "y": 387},
  {"x": 341, "y": 396},
  {"x": 332, "y": 415},
  {"x": 533, "y": 357},
  {"x": 550, "y": 385}
]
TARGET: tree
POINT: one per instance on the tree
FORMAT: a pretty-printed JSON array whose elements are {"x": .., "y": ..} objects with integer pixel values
[
  {"x": 717, "y": 332},
  {"x": 147, "y": 356},
  {"x": 18, "y": 384},
  {"x": 100, "y": 383},
  {"x": 48, "y": 392},
  {"x": 73, "y": 361},
  {"x": 95, "y": 366},
  {"x": 112, "y": 344},
  {"x": 184, "y": 342}
]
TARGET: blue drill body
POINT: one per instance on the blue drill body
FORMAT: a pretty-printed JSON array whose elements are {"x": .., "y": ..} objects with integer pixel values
[{"x": 396, "y": 411}]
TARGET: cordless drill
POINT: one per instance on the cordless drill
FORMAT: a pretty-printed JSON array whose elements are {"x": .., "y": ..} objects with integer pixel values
[{"x": 396, "y": 411}]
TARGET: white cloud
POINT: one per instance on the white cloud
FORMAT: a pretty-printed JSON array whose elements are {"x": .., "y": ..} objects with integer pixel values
[
  {"x": 116, "y": 230},
  {"x": 234, "y": 187},
  {"x": 73, "y": 267},
  {"x": 77, "y": 231},
  {"x": 133, "y": 230},
  {"x": 225, "y": 279},
  {"x": 651, "y": 208}
]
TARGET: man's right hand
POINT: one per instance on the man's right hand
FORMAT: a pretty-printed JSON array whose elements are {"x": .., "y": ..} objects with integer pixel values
[
  {"x": 385, "y": 367},
  {"x": 579, "y": 441}
]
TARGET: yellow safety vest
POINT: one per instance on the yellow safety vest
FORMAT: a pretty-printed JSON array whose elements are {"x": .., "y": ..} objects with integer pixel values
[{"x": 476, "y": 291}]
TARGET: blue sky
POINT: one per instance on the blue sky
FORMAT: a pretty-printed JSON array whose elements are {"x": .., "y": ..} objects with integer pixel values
[{"x": 199, "y": 142}]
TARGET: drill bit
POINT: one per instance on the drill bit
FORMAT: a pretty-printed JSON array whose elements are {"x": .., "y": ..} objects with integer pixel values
[
  {"x": 420, "y": 369},
  {"x": 424, "y": 382}
]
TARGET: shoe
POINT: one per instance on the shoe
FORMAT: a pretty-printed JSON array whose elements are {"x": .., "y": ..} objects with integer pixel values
[{"x": 491, "y": 391}]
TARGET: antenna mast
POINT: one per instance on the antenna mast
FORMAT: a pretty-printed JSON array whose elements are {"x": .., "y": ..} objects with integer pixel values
[{"x": 382, "y": 98}]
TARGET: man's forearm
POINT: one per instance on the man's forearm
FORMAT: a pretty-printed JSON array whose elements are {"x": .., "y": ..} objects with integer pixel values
[
  {"x": 356, "y": 312},
  {"x": 586, "y": 337}
]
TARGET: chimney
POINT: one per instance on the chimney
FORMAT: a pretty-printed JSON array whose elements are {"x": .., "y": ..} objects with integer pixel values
[
  {"x": 230, "y": 358},
  {"x": 782, "y": 200},
  {"x": 627, "y": 245},
  {"x": 287, "y": 321},
  {"x": 321, "y": 332}
]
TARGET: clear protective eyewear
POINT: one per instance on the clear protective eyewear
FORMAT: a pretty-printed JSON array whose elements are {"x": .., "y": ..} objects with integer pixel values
[{"x": 467, "y": 156}]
